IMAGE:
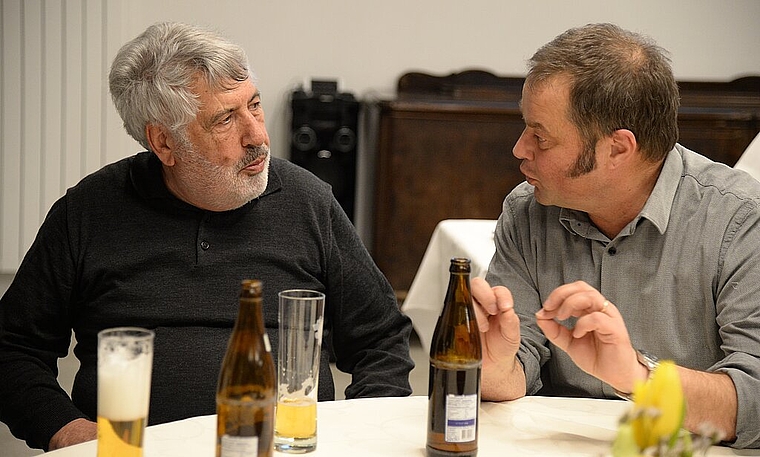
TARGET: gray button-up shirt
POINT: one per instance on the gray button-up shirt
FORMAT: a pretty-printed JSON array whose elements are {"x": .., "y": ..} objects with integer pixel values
[{"x": 685, "y": 275}]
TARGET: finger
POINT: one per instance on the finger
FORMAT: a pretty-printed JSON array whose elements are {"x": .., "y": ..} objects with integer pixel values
[
  {"x": 555, "y": 332},
  {"x": 564, "y": 292},
  {"x": 581, "y": 303},
  {"x": 509, "y": 325},
  {"x": 603, "y": 324},
  {"x": 503, "y": 341},
  {"x": 481, "y": 316},
  {"x": 504, "y": 304},
  {"x": 483, "y": 301},
  {"x": 600, "y": 305},
  {"x": 591, "y": 323},
  {"x": 483, "y": 296},
  {"x": 609, "y": 308},
  {"x": 504, "y": 300},
  {"x": 577, "y": 304},
  {"x": 488, "y": 301}
]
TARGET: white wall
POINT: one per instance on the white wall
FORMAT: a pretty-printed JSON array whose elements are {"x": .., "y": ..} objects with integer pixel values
[{"x": 368, "y": 44}]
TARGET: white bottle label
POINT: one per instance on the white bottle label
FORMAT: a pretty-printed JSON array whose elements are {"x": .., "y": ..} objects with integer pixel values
[
  {"x": 461, "y": 418},
  {"x": 239, "y": 446}
]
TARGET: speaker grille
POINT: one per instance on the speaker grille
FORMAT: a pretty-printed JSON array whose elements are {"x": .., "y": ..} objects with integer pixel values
[{"x": 324, "y": 139}]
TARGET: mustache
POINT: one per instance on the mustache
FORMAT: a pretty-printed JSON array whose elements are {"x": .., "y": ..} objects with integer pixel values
[{"x": 254, "y": 152}]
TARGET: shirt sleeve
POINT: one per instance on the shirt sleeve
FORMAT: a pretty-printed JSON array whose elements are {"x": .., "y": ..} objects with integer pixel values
[
  {"x": 509, "y": 268},
  {"x": 370, "y": 334},
  {"x": 35, "y": 330},
  {"x": 738, "y": 318}
]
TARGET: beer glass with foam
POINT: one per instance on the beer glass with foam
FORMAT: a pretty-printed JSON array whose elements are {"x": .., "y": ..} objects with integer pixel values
[
  {"x": 125, "y": 362},
  {"x": 300, "y": 340}
]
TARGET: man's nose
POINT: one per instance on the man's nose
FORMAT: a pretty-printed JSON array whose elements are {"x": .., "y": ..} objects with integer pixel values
[
  {"x": 521, "y": 149},
  {"x": 255, "y": 132}
]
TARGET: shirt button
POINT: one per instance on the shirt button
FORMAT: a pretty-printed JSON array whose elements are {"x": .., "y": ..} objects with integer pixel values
[
  {"x": 205, "y": 245},
  {"x": 612, "y": 251}
]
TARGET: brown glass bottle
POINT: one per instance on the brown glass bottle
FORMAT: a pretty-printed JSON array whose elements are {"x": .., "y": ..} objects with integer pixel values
[
  {"x": 455, "y": 361},
  {"x": 245, "y": 395}
]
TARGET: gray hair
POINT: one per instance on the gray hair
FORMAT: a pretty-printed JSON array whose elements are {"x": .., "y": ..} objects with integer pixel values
[
  {"x": 151, "y": 75},
  {"x": 619, "y": 80}
]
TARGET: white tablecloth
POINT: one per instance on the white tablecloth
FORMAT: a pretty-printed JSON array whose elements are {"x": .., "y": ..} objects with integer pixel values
[
  {"x": 471, "y": 238},
  {"x": 385, "y": 427}
]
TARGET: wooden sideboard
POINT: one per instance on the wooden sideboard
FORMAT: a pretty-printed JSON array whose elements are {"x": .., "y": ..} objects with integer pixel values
[{"x": 444, "y": 151}]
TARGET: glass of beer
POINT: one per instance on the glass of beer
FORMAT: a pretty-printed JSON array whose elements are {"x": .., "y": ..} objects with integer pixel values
[
  {"x": 300, "y": 342},
  {"x": 125, "y": 362}
]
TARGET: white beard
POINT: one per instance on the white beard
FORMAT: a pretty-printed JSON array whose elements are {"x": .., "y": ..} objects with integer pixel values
[{"x": 220, "y": 187}]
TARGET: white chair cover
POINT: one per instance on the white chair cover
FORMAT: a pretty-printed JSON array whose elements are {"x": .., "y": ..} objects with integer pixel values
[{"x": 750, "y": 159}]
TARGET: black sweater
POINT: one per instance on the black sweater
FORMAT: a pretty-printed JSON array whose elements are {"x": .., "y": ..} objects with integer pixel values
[{"x": 120, "y": 250}]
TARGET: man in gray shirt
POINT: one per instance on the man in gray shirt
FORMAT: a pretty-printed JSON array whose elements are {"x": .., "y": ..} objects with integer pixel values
[{"x": 622, "y": 246}]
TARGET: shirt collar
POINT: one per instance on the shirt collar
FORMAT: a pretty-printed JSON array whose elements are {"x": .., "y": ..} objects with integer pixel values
[
  {"x": 656, "y": 209},
  {"x": 658, "y": 205}
]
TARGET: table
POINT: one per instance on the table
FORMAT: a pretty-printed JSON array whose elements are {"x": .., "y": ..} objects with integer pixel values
[
  {"x": 471, "y": 238},
  {"x": 384, "y": 427}
]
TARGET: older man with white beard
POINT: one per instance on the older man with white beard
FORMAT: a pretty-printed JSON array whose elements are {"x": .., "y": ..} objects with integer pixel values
[{"x": 162, "y": 240}]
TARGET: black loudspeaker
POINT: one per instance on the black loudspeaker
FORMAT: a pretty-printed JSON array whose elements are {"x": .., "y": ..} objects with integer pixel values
[{"x": 324, "y": 139}]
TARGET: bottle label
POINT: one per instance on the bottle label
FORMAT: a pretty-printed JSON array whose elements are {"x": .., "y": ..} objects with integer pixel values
[
  {"x": 461, "y": 418},
  {"x": 239, "y": 446}
]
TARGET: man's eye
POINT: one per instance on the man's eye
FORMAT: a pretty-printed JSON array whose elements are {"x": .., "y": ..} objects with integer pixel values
[
  {"x": 226, "y": 120},
  {"x": 542, "y": 142},
  {"x": 255, "y": 106}
]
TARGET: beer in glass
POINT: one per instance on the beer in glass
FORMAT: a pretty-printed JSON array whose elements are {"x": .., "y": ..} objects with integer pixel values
[
  {"x": 125, "y": 362},
  {"x": 300, "y": 341}
]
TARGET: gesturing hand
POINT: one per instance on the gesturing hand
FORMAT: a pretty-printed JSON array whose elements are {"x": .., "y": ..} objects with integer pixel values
[
  {"x": 599, "y": 343},
  {"x": 499, "y": 325}
]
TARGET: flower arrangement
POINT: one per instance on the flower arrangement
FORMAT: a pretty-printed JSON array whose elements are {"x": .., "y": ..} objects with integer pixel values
[{"x": 653, "y": 426}]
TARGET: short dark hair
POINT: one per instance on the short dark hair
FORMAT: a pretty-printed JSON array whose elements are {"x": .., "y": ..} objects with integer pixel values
[{"x": 619, "y": 80}]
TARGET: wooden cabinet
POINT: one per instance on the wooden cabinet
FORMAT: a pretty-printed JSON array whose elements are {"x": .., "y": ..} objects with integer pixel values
[
  {"x": 438, "y": 157},
  {"x": 444, "y": 150},
  {"x": 719, "y": 120}
]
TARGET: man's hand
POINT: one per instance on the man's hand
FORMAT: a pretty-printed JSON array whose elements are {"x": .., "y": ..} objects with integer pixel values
[
  {"x": 599, "y": 343},
  {"x": 502, "y": 377},
  {"x": 75, "y": 432},
  {"x": 497, "y": 321}
]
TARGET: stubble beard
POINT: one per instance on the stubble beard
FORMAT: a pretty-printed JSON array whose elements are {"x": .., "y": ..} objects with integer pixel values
[
  {"x": 586, "y": 163},
  {"x": 225, "y": 187}
]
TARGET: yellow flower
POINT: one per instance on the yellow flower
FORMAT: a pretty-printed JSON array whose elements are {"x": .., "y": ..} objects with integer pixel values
[
  {"x": 653, "y": 426},
  {"x": 659, "y": 407}
]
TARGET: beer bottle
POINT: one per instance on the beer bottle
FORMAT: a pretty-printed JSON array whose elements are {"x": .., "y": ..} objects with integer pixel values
[
  {"x": 455, "y": 362},
  {"x": 245, "y": 395}
]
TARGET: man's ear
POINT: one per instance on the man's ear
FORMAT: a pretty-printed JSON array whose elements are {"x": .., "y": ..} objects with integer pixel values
[
  {"x": 624, "y": 144},
  {"x": 161, "y": 143}
]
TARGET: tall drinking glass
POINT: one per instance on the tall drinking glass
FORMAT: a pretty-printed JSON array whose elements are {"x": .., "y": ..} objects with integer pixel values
[
  {"x": 300, "y": 340},
  {"x": 125, "y": 362}
]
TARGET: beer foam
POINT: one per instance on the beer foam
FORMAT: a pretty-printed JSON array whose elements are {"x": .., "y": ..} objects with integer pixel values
[
  {"x": 124, "y": 387},
  {"x": 307, "y": 387}
]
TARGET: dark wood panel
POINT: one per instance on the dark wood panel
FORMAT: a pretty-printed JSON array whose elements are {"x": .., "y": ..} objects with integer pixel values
[
  {"x": 720, "y": 134},
  {"x": 445, "y": 151},
  {"x": 440, "y": 166}
]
